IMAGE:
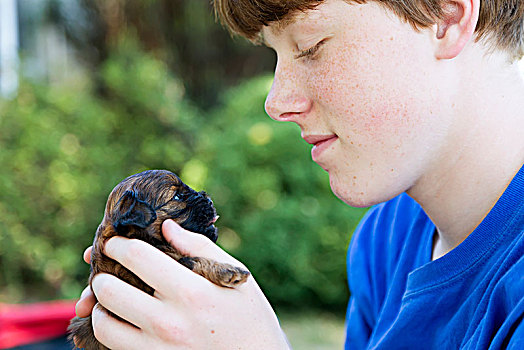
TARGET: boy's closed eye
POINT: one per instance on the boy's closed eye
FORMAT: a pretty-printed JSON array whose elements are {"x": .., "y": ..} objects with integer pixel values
[{"x": 312, "y": 52}]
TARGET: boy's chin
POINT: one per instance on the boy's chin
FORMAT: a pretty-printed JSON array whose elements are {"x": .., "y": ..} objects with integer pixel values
[{"x": 360, "y": 196}]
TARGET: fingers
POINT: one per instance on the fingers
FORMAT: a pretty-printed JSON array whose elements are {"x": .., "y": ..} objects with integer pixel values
[
  {"x": 116, "y": 334},
  {"x": 87, "y": 254},
  {"x": 194, "y": 244},
  {"x": 151, "y": 265},
  {"x": 85, "y": 305},
  {"x": 124, "y": 299}
]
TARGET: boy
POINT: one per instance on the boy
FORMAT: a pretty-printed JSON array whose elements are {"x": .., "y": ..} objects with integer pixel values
[{"x": 415, "y": 104}]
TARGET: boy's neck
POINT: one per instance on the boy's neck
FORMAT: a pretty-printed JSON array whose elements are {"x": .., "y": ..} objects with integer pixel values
[{"x": 484, "y": 151}]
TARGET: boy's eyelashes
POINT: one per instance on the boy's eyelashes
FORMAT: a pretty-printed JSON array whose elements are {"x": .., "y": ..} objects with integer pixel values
[{"x": 311, "y": 52}]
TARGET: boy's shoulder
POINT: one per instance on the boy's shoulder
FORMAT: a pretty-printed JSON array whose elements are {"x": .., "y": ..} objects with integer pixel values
[
  {"x": 476, "y": 291},
  {"x": 386, "y": 227},
  {"x": 391, "y": 233}
]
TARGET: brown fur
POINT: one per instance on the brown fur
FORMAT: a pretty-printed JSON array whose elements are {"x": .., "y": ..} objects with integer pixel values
[{"x": 136, "y": 208}]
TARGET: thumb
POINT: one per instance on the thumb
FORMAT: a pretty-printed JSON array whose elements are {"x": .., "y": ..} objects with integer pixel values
[
  {"x": 87, "y": 254},
  {"x": 194, "y": 244}
]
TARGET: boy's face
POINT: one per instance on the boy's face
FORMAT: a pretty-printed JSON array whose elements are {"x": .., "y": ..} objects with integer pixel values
[{"x": 367, "y": 83}]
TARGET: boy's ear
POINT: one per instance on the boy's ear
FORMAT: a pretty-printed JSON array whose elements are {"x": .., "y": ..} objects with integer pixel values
[
  {"x": 456, "y": 27},
  {"x": 131, "y": 211}
]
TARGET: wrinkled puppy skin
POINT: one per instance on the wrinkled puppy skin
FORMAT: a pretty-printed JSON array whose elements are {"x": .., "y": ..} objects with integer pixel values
[{"x": 136, "y": 208}]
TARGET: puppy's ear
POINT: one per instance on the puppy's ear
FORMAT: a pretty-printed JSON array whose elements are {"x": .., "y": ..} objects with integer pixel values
[{"x": 131, "y": 211}]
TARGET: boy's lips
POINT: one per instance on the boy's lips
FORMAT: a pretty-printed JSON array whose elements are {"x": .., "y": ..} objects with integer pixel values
[{"x": 320, "y": 142}]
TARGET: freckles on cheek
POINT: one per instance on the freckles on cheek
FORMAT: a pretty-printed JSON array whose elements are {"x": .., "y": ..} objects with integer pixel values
[
  {"x": 382, "y": 119},
  {"x": 392, "y": 119},
  {"x": 322, "y": 84}
]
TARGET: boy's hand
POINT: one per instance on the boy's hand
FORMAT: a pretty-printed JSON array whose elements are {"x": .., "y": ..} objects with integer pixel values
[{"x": 186, "y": 311}]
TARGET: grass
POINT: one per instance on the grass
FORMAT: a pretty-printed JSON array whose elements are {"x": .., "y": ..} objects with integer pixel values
[{"x": 314, "y": 331}]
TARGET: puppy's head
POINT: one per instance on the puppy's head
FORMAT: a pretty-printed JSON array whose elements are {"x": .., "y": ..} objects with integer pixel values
[{"x": 138, "y": 205}]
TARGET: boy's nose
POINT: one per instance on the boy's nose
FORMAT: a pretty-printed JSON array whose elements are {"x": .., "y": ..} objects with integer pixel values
[{"x": 286, "y": 100}]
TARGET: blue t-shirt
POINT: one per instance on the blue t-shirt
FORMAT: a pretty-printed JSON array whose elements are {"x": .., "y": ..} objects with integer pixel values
[{"x": 471, "y": 298}]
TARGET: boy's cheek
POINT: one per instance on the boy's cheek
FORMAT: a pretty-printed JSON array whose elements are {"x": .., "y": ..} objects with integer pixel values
[{"x": 394, "y": 121}]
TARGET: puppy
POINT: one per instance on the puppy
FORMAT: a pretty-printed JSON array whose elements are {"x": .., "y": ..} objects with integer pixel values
[{"x": 136, "y": 208}]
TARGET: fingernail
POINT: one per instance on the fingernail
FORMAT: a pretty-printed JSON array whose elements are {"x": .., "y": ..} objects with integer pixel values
[
  {"x": 172, "y": 228},
  {"x": 107, "y": 245},
  {"x": 173, "y": 225}
]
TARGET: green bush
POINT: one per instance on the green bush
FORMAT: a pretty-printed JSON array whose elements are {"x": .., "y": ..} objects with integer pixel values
[{"x": 63, "y": 148}]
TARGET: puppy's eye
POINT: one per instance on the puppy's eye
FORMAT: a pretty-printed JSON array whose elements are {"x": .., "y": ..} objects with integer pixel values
[{"x": 177, "y": 197}]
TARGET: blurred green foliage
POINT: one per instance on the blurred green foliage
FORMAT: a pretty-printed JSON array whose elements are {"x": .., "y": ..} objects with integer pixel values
[{"x": 64, "y": 147}]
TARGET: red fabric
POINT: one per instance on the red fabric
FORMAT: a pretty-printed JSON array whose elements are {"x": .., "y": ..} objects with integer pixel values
[{"x": 31, "y": 323}]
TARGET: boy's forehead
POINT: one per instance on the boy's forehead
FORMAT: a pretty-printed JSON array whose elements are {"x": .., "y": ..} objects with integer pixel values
[{"x": 292, "y": 19}]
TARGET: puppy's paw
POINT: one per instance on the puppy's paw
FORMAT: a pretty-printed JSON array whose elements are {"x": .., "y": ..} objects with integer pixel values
[
  {"x": 224, "y": 275},
  {"x": 231, "y": 276}
]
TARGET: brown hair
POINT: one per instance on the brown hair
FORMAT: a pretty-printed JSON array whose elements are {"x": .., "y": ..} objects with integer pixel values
[{"x": 500, "y": 21}]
